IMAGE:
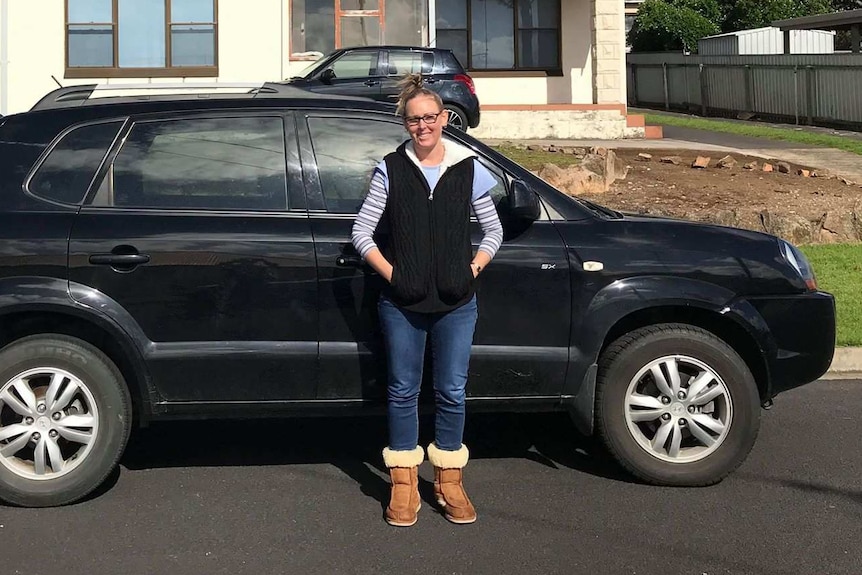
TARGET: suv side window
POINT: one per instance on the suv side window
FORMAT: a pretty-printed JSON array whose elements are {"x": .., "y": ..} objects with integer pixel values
[
  {"x": 204, "y": 163},
  {"x": 356, "y": 65},
  {"x": 407, "y": 62},
  {"x": 346, "y": 151},
  {"x": 66, "y": 173},
  {"x": 498, "y": 192}
]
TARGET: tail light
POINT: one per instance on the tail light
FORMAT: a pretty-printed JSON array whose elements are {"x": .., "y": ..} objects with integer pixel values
[
  {"x": 800, "y": 263},
  {"x": 467, "y": 81}
]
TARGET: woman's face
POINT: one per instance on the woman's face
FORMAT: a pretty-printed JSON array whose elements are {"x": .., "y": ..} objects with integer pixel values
[{"x": 424, "y": 121}]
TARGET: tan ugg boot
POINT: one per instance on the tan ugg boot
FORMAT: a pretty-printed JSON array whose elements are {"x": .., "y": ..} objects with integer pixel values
[
  {"x": 448, "y": 486},
  {"x": 404, "y": 502}
]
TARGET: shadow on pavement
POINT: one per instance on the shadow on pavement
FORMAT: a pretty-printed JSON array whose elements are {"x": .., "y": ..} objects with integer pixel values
[{"x": 354, "y": 445}]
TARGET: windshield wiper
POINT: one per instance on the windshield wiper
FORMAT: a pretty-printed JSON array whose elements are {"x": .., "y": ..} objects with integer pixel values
[{"x": 599, "y": 209}]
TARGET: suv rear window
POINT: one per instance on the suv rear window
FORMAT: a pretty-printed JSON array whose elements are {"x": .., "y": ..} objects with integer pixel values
[
  {"x": 66, "y": 173},
  {"x": 450, "y": 64},
  {"x": 200, "y": 163}
]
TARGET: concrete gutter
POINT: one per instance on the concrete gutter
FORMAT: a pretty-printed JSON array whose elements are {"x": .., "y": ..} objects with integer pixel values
[{"x": 847, "y": 364}]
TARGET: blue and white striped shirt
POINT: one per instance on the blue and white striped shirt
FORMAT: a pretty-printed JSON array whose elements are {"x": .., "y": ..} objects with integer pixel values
[{"x": 378, "y": 194}]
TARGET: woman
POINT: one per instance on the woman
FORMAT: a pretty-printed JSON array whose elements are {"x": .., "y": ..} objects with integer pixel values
[{"x": 427, "y": 189}]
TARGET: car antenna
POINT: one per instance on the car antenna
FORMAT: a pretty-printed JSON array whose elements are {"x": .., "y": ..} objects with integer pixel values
[{"x": 56, "y": 80}]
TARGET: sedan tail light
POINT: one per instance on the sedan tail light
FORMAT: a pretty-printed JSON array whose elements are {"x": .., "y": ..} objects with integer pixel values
[{"x": 467, "y": 81}]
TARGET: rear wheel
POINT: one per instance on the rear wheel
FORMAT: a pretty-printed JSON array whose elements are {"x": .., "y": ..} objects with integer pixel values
[
  {"x": 675, "y": 405},
  {"x": 457, "y": 117},
  {"x": 65, "y": 417}
]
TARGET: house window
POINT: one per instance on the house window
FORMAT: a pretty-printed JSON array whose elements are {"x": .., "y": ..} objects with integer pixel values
[
  {"x": 135, "y": 38},
  {"x": 320, "y": 26},
  {"x": 501, "y": 34}
]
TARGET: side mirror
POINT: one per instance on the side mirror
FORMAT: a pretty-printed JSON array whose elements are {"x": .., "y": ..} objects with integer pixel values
[
  {"x": 327, "y": 76},
  {"x": 523, "y": 202}
]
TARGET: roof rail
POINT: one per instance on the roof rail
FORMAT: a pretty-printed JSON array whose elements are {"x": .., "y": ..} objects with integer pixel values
[{"x": 93, "y": 94}]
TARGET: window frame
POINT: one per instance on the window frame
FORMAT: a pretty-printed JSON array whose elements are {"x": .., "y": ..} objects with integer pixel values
[
  {"x": 516, "y": 29},
  {"x": 339, "y": 13},
  {"x": 311, "y": 169},
  {"x": 97, "y": 174},
  {"x": 115, "y": 71},
  {"x": 295, "y": 197}
]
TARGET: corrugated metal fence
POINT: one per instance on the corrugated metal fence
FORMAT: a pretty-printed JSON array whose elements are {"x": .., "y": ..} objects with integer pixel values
[{"x": 805, "y": 89}]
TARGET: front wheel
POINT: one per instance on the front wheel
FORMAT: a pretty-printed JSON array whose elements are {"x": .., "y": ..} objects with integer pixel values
[
  {"x": 676, "y": 405},
  {"x": 65, "y": 417}
]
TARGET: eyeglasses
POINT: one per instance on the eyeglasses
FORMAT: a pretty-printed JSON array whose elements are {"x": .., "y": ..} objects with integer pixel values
[{"x": 429, "y": 119}]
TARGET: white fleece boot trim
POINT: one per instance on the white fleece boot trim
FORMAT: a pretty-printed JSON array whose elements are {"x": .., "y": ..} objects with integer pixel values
[
  {"x": 408, "y": 458},
  {"x": 448, "y": 459}
]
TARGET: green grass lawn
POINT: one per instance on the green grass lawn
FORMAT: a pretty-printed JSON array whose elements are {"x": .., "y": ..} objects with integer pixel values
[
  {"x": 839, "y": 271},
  {"x": 758, "y": 131}
]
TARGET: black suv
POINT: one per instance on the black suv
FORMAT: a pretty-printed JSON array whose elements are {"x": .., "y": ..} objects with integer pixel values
[
  {"x": 374, "y": 71},
  {"x": 184, "y": 257}
]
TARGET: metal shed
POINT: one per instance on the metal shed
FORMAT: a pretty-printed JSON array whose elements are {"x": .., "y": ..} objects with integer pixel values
[{"x": 769, "y": 40}]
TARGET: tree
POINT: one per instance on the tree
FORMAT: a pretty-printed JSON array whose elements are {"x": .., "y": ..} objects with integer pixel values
[
  {"x": 840, "y": 5},
  {"x": 662, "y": 26},
  {"x": 747, "y": 14}
]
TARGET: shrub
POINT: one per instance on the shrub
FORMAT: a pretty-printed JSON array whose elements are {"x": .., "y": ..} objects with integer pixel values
[{"x": 663, "y": 27}]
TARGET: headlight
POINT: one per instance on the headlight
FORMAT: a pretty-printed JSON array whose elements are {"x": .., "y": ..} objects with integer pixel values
[{"x": 799, "y": 262}]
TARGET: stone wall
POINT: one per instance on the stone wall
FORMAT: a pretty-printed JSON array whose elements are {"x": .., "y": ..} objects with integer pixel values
[
  {"x": 608, "y": 52},
  {"x": 548, "y": 122}
]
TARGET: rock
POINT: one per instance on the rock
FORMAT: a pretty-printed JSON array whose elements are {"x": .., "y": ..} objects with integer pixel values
[
  {"x": 750, "y": 166},
  {"x": 610, "y": 166},
  {"x": 745, "y": 115},
  {"x": 767, "y": 167},
  {"x": 847, "y": 182},
  {"x": 821, "y": 174},
  {"x": 837, "y": 227},
  {"x": 792, "y": 227},
  {"x": 574, "y": 180},
  {"x": 675, "y": 160},
  {"x": 599, "y": 151},
  {"x": 553, "y": 174},
  {"x": 723, "y": 218},
  {"x": 856, "y": 217},
  {"x": 552, "y": 148},
  {"x": 567, "y": 150},
  {"x": 546, "y": 148},
  {"x": 726, "y": 162},
  {"x": 783, "y": 167},
  {"x": 534, "y": 148},
  {"x": 701, "y": 163},
  {"x": 804, "y": 173},
  {"x": 580, "y": 152},
  {"x": 645, "y": 157}
]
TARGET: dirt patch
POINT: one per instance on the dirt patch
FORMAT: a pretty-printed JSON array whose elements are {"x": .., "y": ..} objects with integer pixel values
[{"x": 801, "y": 209}]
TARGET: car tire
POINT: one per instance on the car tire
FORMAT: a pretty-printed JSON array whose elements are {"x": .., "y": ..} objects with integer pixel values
[
  {"x": 72, "y": 403},
  {"x": 457, "y": 117},
  {"x": 697, "y": 437}
]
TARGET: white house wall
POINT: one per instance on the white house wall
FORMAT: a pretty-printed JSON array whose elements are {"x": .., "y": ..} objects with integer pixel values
[{"x": 253, "y": 45}]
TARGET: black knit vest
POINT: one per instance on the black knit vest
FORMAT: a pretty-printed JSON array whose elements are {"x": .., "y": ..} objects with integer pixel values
[{"x": 429, "y": 244}]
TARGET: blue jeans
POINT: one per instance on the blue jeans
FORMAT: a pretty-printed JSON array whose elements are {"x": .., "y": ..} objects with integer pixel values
[{"x": 405, "y": 333}]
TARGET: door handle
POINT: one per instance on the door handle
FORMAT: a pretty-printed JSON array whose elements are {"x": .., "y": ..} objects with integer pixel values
[
  {"x": 348, "y": 261},
  {"x": 430, "y": 81},
  {"x": 371, "y": 82},
  {"x": 119, "y": 259}
]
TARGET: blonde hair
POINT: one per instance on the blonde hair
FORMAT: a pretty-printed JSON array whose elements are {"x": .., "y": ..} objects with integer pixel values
[{"x": 411, "y": 86}]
